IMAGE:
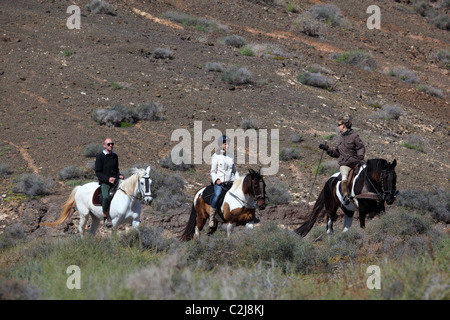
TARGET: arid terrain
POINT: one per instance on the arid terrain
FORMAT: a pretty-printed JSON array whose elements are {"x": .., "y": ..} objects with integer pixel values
[{"x": 53, "y": 79}]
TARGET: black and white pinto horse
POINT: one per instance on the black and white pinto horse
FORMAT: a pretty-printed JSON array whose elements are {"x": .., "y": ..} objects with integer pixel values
[{"x": 374, "y": 185}]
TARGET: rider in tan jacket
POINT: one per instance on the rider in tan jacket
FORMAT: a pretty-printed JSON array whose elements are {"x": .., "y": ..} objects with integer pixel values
[{"x": 349, "y": 150}]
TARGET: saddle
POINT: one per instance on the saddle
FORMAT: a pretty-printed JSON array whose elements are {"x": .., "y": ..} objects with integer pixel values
[
  {"x": 350, "y": 181},
  {"x": 208, "y": 194},
  {"x": 97, "y": 198}
]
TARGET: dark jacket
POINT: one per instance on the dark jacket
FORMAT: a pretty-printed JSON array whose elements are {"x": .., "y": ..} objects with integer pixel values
[
  {"x": 106, "y": 166},
  {"x": 349, "y": 149}
]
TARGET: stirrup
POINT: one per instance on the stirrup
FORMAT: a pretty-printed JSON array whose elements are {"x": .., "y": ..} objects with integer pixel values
[{"x": 346, "y": 200}]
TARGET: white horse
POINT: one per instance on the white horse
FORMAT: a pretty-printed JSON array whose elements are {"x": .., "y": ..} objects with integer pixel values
[{"x": 124, "y": 207}]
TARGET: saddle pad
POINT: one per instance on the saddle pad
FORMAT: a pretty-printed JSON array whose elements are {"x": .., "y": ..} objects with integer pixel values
[
  {"x": 97, "y": 197},
  {"x": 208, "y": 193}
]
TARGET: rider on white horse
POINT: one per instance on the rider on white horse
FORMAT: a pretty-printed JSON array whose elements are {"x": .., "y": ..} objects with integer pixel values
[{"x": 107, "y": 172}]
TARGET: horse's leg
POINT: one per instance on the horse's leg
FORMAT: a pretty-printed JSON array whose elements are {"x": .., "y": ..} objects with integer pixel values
[
  {"x": 331, "y": 204},
  {"x": 250, "y": 225},
  {"x": 330, "y": 225},
  {"x": 230, "y": 227},
  {"x": 362, "y": 219},
  {"x": 95, "y": 224},
  {"x": 347, "y": 222},
  {"x": 196, "y": 233},
  {"x": 84, "y": 214},
  {"x": 331, "y": 209},
  {"x": 136, "y": 215},
  {"x": 202, "y": 217}
]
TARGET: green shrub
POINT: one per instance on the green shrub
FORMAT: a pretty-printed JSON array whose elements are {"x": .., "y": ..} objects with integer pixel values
[
  {"x": 236, "y": 75},
  {"x": 100, "y": 7},
  {"x": 402, "y": 223},
  {"x": 149, "y": 111},
  {"x": 388, "y": 113},
  {"x": 329, "y": 14},
  {"x": 234, "y": 41},
  {"x": 247, "y": 51},
  {"x": 316, "y": 80},
  {"x": 161, "y": 53},
  {"x": 357, "y": 58},
  {"x": 71, "y": 172},
  {"x": 200, "y": 24},
  {"x": 214, "y": 66},
  {"x": 414, "y": 142},
  {"x": 4, "y": 170},
  {"x": 249, "y": 124},
  {"x": 436, "y": 202},
  {"x": 404, "y": 74},
  {"x": 277, "y": 192},
  {"x": 33, "y": 185},
  {"x": 92, "y": 150},
  {"x": 288, "y": 154}
]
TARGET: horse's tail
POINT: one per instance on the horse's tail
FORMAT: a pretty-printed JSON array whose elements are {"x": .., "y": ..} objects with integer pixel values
[
  {"x": 188, "y": 232},
  {"x": 67, "y": 209},
  {"x": 317, "y": 209}
]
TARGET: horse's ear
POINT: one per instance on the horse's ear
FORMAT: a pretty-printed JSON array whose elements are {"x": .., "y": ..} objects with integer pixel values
[
  {"x": 394, "y": 163},
  {"x": 252, "y": 172},
  {"x": 148, "y": 170},
  {"x": 260, "y": 171}
]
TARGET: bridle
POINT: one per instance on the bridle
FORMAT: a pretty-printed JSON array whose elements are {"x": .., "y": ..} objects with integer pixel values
[
  {"x": 256, "y": 195},
  {"x": 142, "y": 193},
  {"x": 260, "y": 194},
  {"x": 381, "y": 194}
]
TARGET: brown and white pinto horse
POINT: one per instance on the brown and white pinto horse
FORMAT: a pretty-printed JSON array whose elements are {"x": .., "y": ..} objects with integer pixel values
[
  {"x": 237, "y": 207},
  {"x": 374, "y": 184}
]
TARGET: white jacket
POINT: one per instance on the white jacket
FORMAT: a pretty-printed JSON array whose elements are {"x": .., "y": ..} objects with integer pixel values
[{"x": 223, "y": 167}]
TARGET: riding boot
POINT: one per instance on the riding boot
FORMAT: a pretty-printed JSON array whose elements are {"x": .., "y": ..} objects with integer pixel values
[
  {"x": 106, "y": 220},
  {"x": 345, "y": 192},
  {"x": 212, "y": 217}
]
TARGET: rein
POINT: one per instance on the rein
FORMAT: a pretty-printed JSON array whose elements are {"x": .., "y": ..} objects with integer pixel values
[
  {"x": 139, "y": 197},
  {"x": 243, "y": 202},
  {"x": 382, "y": 193}
]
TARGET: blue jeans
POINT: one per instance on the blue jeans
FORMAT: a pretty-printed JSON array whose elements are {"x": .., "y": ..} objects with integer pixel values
[{"x": 217, "y": 192}]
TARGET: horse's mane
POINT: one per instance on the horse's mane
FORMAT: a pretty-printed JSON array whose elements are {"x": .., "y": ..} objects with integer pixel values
[
  {"x": 373, "y": 164},
  {"x": 128, "y": 185},
  {"x": 237, "y": 183}
]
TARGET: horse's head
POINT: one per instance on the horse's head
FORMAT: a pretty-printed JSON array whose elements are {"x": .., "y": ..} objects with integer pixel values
[
  {"x": 259, "y": 188},
  {"x": 389, "y": 181},
  {"x": 145, "y": 184}
]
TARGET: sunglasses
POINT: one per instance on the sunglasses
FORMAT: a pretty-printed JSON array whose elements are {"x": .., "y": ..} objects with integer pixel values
[
  {"x": 340, "y": 124},
  {"x": 110, "y": 144}
]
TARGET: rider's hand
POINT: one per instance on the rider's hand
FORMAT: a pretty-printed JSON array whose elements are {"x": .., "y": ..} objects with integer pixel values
[
  {"x": 112, "y": 180},
  {"x": 218, "y": 182}
]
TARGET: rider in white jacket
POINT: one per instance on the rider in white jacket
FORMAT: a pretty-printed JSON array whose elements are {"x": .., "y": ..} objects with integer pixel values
[{"x": 223, "y": 169}]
